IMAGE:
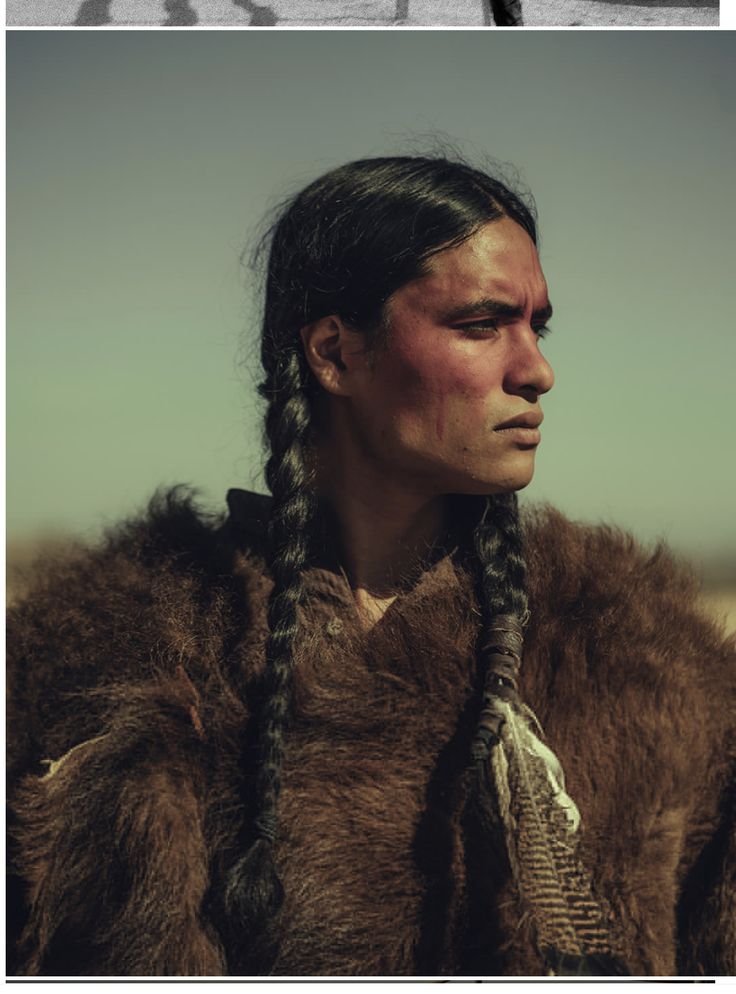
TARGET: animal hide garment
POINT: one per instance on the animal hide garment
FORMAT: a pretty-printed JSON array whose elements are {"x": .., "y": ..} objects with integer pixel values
[{"x": 134, "y": 674}]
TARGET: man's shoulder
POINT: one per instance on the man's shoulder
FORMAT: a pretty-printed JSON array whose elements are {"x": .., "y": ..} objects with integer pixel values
[
  {"x": 574, "y": 563},
  {"x": 160, "y": 590},
  {"x": 624, "y": 615},
  {"x": 173, "y": 536}
]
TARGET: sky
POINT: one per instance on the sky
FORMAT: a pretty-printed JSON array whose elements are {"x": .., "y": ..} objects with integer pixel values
[{"x": 141, "y": 165}]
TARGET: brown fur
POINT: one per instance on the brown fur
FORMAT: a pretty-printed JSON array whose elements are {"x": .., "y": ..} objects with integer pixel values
[{"x": 159, "y": 634}]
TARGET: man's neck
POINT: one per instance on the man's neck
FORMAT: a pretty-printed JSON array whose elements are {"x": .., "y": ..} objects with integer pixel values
[{"x": 386, "y": 531}]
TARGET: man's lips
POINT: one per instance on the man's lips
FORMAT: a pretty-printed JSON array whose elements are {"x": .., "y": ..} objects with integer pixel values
[
  {"x": 532, "y": 419},
  {"x": 523, "y": 429}
]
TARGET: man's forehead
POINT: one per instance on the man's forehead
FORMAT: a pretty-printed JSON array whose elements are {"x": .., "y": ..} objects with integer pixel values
[
  {"x": 452, "y": 290},
  {"x": 500, "y": 266}
]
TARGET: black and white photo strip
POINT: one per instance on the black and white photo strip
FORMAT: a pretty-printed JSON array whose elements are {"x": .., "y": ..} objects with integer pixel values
[
  {"x": 365, "y": 13},
  {"x": 370, "y": 560}
]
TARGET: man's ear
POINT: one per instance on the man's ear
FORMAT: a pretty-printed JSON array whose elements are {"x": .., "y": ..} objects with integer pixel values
[{"x": 334, "y": 353}]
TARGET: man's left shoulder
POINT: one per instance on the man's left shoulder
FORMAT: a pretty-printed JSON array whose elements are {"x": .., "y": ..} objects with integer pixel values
[
  {"x": 574, "y": 566},
  {"x": 623, "y": 604}
]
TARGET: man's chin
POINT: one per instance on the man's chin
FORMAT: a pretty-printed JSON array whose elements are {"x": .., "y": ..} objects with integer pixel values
[
  {"x": 487, "y": 488},
  {"x": 493, "y": 482},
  {"x": 485, "y": 477}
]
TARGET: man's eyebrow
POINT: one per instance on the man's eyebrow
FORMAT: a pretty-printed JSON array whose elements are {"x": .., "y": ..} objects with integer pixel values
[{"x": 493, "y": 308}]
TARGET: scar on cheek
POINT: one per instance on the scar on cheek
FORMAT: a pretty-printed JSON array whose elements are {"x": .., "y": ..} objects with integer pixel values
[{"x": 440, "y": 418}]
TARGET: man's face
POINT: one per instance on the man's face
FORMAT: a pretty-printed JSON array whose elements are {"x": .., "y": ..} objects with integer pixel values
[{"x": 461, "y": 359}]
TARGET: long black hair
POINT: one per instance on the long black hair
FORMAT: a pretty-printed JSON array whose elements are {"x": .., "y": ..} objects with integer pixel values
[{"x": 343, "y": 246}]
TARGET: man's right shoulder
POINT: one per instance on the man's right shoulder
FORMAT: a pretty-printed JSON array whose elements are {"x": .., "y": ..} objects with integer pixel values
[
  {"x": 117, "y": 575},
  {"x": 162, "y": 589},
  {"x": 173, "y": 538}
]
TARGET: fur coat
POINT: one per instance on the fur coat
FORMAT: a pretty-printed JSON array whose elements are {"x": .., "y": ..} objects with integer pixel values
[{"x": 134, "y": 673}]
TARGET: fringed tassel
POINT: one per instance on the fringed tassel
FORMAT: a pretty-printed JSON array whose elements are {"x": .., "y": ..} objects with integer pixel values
[{"x": 539, "y": 820}]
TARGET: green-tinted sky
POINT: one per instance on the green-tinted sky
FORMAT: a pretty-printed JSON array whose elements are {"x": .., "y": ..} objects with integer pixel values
[{"x": 140, "y": 164}]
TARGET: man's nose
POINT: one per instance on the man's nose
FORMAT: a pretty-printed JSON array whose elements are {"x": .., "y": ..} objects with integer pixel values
[{"x": 528, "y": 371}]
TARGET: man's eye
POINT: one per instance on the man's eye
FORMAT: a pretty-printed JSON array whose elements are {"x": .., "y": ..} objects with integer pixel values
[
  {"x": 477, "y": 329},
  {"x": 543, "y": 331}
]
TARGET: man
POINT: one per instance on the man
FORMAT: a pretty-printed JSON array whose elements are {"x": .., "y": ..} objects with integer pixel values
[{"x": 303, "y": 742}]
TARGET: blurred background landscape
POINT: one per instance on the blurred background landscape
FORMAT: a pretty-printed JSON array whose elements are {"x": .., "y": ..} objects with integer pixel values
[{"x": 141, "y": 166}]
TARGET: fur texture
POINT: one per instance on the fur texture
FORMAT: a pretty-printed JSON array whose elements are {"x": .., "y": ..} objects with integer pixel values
[{"x": 146, "y": 654}]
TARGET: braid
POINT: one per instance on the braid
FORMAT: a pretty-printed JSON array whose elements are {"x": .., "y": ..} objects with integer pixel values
[
  {"x": 497, "y": 539},
  {"x": 253, "y": 893},
  {"x": 520, "y": 791},
  {"x": 287, "y": 428},
  {"x": 499, "y": 547}
]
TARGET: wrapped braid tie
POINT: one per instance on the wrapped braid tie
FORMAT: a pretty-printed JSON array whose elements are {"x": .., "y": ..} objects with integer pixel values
[
  {"x": 539, "y": 819},
  {"x": 265, "y": 827}
]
